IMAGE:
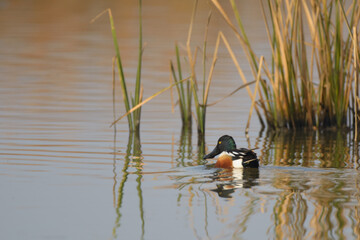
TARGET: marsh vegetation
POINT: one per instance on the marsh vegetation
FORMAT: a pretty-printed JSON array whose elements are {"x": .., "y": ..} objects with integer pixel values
[
  {"x": 66, "y": 174},
  {"x": 310, "y": 81}
]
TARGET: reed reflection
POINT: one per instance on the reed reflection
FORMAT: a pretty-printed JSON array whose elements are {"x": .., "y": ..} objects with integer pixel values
[
  {"x": 133, "y": 155},
  {"x": 328, "y": 207},
  {"x": 313, "y": 203},
  {"x": 185, "y": 149},
  {"x": 316, "y": 205},
  {"x": 290, "y": 209},
  {"x": 185, "y": 146},
  {"x": 325, "y": 149}
]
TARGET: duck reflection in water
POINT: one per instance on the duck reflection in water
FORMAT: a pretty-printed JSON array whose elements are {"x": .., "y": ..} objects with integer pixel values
[{"x": 230, "y": 179}]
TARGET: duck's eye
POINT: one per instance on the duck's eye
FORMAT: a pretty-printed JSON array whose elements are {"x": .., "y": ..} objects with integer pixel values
[{"x": 219, "y": 142}]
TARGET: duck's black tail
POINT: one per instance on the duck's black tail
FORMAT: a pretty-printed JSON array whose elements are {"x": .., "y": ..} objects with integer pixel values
[{"x": 251, "y": 163}]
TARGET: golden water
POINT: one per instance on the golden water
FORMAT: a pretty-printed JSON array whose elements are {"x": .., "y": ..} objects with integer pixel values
[{"x": 64, "y": 174}]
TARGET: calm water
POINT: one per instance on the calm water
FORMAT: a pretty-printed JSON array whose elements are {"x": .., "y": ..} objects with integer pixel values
[{"x": 65, "y": 174}]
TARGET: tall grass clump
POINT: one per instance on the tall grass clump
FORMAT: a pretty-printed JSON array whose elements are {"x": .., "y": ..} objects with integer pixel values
[
  {"x": 311, "y": 78},
  {"x": 183, "y": 90},
  {"x": 195, "y": 92},
  {"x": 130, "y": 103},
  {"x": 191, "y": 91}
]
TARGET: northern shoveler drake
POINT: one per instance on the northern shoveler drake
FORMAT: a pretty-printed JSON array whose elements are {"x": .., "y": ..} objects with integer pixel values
[{"x": 230, "y": 157}]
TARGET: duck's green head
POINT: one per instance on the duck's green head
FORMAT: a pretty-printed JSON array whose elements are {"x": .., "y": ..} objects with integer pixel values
[{"x": 225, "y": 143}]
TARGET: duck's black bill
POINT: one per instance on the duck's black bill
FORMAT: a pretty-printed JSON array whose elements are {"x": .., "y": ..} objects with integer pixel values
[{"x": 212, "y": 154}]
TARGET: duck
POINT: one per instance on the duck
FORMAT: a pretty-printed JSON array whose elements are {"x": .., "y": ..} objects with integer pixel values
[{"x": 230, "y": 156}]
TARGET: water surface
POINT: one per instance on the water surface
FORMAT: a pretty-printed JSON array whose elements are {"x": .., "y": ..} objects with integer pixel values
[{"x": 65, "y": 174}]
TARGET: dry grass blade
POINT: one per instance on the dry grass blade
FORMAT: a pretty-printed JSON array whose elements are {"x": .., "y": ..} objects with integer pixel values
[
  {"x": 147, "y": 100},
  {"x": 191, "y": 24},
  {"x": 235, "y": 61},
  {"x": 242, "y": 38},
  {"x": 224, "y": 15},
  {"x": 207, "y": 89},
  {"x": 254, "y": 96},
  {"x": 222, "y": 37},
  {"x": 230, "y": 94},
  {"x": 356, "y": 97}
]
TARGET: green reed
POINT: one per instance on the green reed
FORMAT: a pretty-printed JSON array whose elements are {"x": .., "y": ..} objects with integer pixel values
[
  {"x": 183, "y": 90},
  {"x": 190, "y": 91},
  {"x": 134, "y": 117},
  {"x": 133, "y": 105},
  {"x": 314, "y": 62}
]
